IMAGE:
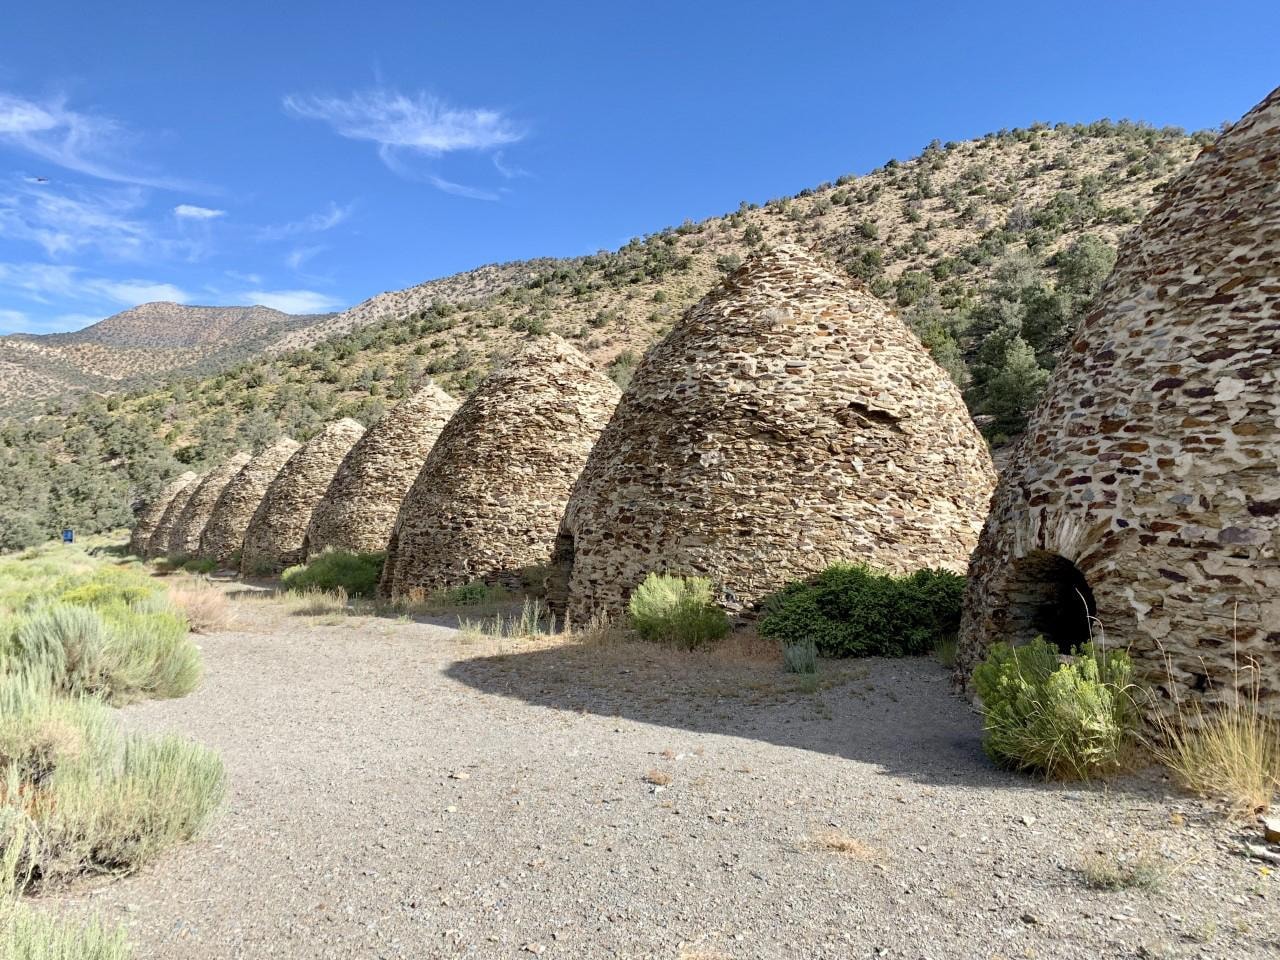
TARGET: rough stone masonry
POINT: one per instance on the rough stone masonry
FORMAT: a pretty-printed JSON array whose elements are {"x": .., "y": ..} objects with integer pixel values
[
  {"x": 488, "y": 500},
  {"x": 359, "y": 509},
  {"x": 789, "y": 420},
  {"x": 224, "y": 533},
  {"x": 1146, "y": 489},
  {"x": 274, "y": 537}
]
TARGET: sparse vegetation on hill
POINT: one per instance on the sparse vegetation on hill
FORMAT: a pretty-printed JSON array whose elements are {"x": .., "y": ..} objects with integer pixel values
[{"x": 990, "y": 248}]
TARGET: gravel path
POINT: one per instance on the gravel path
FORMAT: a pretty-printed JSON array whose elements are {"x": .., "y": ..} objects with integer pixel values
[{"x": 399, "y": 792}]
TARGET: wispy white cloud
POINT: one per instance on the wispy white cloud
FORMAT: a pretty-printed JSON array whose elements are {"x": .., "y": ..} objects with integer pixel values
[
  {"x": 404, "y": 127},
  {"x": 291, "y": 301},
  {"x": 296, "y": 258},
  {"x": 420, "y": 122},
  {"x": 96, "y": 146},
  {"x": 189, "y": 211},
  {"x": 65, "y": 223},
  {"x": 315, "y": 223},
  {"x": 510, "y": 171},
  {"x": 46, "y": 283},
  {"x": 133, "y": 292}
]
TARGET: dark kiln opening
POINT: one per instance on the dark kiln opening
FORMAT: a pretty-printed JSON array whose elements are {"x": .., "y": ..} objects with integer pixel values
[
  {"x": 562, "y": 556},
  {"x": 1048, "y": 596}
]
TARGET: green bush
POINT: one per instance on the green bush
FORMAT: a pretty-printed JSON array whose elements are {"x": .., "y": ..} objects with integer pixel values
[
  {"x": 473, "y": 594},
  {"x": 77, "y": 795},
  {"x": 676, "y": 610},
  {"x": 117, "y": 651},
  {"x": 1067, "y": 720},
  {"x": 27, "y": 934},
  {"x": 356, "y": 573},
  {"x": 851, "y": 611}
]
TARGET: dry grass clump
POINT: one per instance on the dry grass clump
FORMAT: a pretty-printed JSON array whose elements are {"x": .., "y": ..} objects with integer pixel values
[
  {"x": 659, "y": 778},
  {"x": 1229, "y": 752},
  {"x": 838, "y": 841},
  {"x": 317, "y": 603},
  {"x": 206, "y": 607},
  {"x": 1105, "y": 870},
  {"x": 533, "y": 620}
]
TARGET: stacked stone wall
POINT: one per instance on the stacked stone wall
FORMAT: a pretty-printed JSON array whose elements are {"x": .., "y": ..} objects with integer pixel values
[
  {"x": 1149, "y": 470},
  {"x": 787, "y": 422},
  {"x": 223, "y": 535},
  {"x": 488, "y": 500}
]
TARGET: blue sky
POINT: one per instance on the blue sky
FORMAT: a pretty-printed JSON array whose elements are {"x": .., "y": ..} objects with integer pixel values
[{"x": 307, "y": 156}]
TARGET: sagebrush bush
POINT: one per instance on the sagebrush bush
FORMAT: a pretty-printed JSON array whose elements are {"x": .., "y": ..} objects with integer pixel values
[
  {"x": 77, "y": 795},
  {"x": 27, "y": 934},
  {"x": 1067, "y": 718},
  {"x": 852, "y": 611},
  {"x": 677, "y": 610},
  {"x": 355, "y": 573},
  {"x": 119, "y": 652}
]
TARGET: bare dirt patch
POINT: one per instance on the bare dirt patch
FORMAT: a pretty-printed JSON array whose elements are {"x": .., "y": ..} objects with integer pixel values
[{"x": 397, "y": 794}]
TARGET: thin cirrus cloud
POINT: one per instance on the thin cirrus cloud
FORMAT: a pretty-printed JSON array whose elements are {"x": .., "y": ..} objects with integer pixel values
[
  {"x": 96, "y": 146},
  {"x": 326, "y": 219},
  {"x": 189, "y": 211},
  {"x": 45, "y": 283},
  {"x": 405, "y": 127},
  {"x": 291, "y": 301},
  {"x": 65, "y": 223}
]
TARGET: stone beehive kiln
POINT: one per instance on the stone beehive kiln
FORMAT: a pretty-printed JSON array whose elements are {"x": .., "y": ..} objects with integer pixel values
[
  {"x": 273, "y": 539},
  {"x": 359, "y": 509},
  {"x": 224, "y": 533},
  {"x": 158, "y": 545},
  {"x": 788, "y": 421},
  {"x": 185, "y": 539},
  {"x": 152, "y": 513},
  {"x": 1146, "y": 488},
  {"x": 490, "y": 495}
]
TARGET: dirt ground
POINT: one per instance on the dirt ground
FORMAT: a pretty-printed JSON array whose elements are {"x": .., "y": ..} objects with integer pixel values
[{"x": 399, "y": 789}]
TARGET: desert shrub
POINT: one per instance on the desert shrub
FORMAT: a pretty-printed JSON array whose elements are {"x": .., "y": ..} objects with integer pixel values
[
  {"x": 852, "y": 611},
  {"x": 202, "y": 565},
  {"x": 676, "y": 610},
  {"x": 118, "y": 651},
  {"x": 77, "y": 795},
  {"x": 355, "y": 573},
  {"x": 27, "y": 934},
  {"x": 800, "y": 657},
  {"x": 1067, "y": 718}
]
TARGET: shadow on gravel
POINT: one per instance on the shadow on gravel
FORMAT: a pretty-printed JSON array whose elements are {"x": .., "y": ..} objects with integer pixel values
[{"x": 900, "y": 715}]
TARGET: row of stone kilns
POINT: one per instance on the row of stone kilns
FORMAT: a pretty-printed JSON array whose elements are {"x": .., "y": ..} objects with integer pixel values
[{"x": 790, "y": 420}]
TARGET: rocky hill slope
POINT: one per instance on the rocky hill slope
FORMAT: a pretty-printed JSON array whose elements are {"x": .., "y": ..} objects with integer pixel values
[
  {"x": 142, "y": 344},
  {"x": 990, "y": 248}
]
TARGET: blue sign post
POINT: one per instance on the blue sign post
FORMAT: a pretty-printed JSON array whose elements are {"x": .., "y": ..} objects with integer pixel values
[{"x": 68, "y": 535}]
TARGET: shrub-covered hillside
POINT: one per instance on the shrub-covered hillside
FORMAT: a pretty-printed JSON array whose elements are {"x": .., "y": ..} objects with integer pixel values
[{"x": 990, "y": 248}]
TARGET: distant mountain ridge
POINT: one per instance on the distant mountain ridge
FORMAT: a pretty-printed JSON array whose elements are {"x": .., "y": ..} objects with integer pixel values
[
  {"x": 166, "y": 324},
  {"x": 138, "y": 345}
]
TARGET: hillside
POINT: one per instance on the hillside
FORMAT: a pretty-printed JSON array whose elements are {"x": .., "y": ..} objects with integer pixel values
[
  {"x": 990, "y": 248},
  {"x": 143, "y": 343}
]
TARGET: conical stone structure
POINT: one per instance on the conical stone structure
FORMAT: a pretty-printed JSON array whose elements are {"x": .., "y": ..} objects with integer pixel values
[
  {"x": 224, "y": 533},
  {"x": 1146, "y": 490},
  {"x": 489, "y": 497},
  {"x": 185, "y": 539},
  {"x": 788, "y": 421},
  {"x": 359, "y": 509},
  {"x": 273, "y": 539},
  {"x": 158, "y": 545},
  {"x": 150, "y": 515}
]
